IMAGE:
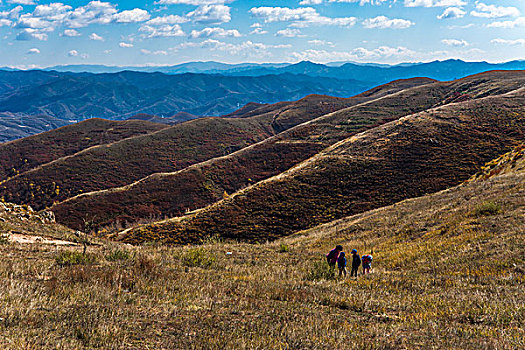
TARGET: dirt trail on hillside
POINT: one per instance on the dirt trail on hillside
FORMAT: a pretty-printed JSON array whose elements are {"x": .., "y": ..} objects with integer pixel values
[{"x": 27, "y": 239}]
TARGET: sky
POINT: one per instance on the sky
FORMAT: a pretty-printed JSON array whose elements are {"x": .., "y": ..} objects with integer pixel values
[{"x": 40, "y": 33}]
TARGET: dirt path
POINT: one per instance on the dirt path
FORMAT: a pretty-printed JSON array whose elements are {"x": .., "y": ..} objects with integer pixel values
[{"x": 27, "y": 239}]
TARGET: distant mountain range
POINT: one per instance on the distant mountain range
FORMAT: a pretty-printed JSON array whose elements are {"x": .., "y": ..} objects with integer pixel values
[
  {"x": 378, "y": 73},
  {"x": 39, "y": 100}
]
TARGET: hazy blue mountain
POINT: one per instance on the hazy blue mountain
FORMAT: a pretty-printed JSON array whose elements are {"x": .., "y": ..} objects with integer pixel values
[
  {"x": 381, "y": 73},
  {"x": 77, "y": 96}
]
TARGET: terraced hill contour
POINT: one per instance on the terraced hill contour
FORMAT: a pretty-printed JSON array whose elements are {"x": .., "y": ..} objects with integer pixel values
[
  {"x": 173, "y": 194},
  {"x": 422, "y": 153},
  {"x": 22, "y": 155}
]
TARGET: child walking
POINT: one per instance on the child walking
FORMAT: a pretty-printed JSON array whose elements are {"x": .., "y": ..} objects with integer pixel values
[
  {"x": 356, "y": 262},
  {"x": 341, "y": 264}
]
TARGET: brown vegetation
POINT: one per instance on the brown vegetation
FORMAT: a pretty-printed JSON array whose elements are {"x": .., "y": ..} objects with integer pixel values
[
  {"x": 173, "y": 194},
  {"x": 419, "y": 154},
  {"x": 442, "y": 278},
  {"x": 22, "y": 155}
]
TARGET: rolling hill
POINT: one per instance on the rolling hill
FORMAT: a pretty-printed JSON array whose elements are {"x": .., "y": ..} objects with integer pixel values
[
  {"x": 22, "y": 155},
  {"x": 420, "y": 153},
  {"x": 174, "y": 193}
]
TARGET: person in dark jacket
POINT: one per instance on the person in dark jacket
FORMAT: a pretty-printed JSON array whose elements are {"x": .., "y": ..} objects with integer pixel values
[
  {"x": 341, "y": 264},
  {"x": 356, "y": 262},
  {"x": 332, "y": 256}
]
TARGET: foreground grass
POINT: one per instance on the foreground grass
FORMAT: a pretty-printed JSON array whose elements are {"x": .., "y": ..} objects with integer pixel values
[{"x": 444, "y": 277}]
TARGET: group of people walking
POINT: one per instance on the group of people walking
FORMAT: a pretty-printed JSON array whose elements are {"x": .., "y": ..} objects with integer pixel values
[{"x": 337, "y": 257}]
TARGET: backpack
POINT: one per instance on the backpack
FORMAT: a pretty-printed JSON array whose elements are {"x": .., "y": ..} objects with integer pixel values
[{"x": 367, "y": 259}]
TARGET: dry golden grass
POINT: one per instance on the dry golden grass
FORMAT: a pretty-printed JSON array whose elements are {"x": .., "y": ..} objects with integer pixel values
[{"x": 443, "y": 278}]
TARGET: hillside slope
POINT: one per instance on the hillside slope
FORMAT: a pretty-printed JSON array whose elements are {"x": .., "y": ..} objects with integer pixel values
[
  {"x": 202, "y": 184},
  {"x": 25, "y": 154},
  {"x": 418, "y": 154},
  {"x": 133, "y": 158},
  {"x": 447, "y": 274},
  {"x": 124, "y": 162}
]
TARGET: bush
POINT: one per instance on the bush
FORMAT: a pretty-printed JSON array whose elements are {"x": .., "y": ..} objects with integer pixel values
[
  {"x": 283, "y": 248},
  {"x": 118, "y": 254},
  {"x": 67, "y": 258},
  {"x": 320, "y": 270},
  {"x": 198, "y": 257},
  {"x": 4, "y": 238},
  {"x": 487, "y": 208}
]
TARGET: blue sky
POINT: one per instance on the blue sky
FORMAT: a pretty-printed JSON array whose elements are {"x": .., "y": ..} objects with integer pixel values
[{"x": 39, "y": 33}]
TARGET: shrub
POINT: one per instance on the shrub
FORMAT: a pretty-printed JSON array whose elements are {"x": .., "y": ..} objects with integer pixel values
[
  {"x": 320, "y": 270},
  {"x": 4, "y": 238},
  {"x": 487, "y": 208},
  {"x": 118, "y": 254},
  {"x": 198, "y": 257},
  {"x": 67, "y": 258},
  {"x": 283, "y": 248}
]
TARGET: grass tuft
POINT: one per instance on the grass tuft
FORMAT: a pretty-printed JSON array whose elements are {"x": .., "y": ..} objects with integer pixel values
[
  {"x": 320, "y": 270},
  {"x": 118, "y": 255},
  {"x": 198, "y": 257},
  {"x": 487, "y": 208},
  {"x": 67, "y": 258}
]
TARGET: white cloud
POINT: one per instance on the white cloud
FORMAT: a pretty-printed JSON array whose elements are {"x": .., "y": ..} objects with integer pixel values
[
  {"x": 170, "y": 19},
  {"x": 492, "y": 11},
  {"x": 123, "y": 44},
  {"x": 71, "y": 33},
  {"x": 362, "y": 2},
  {"x": 33, "y": 51},
  {"x": 360, "y": 53},
  {"x": 383, "y": 22},
  {"x": 210, "y": 14},
  {"x": 290, "y": 33},
  {"x": 5, "y": 22},
  {"x": 214, "y": 32},
  {"x": 72, "y": 53},
  {"x": 434, "y": 3},
  {"x": 518, "y": 22},
  {"x": 508, "y": 42},
  {"x": 29, "y": 34},
  {"x": 247, "y": 48},
  {"x": 259, "y": 31},
  {"x": 320, "y": 42},
  {"x": 22, "y": 2},
  {"x": 132, "y": 16},
  {"x": 452, "y": 12},
  {"x": 311, "y": 2},
  {"x": 455, "y": 42},
  {"x": 190, "y": 2},
  {"x": 155, "y": 53},
  {"x": 95, "y": 36},
  {"x": 302, "y": 17},
  {"x": 162, "y": 31}
]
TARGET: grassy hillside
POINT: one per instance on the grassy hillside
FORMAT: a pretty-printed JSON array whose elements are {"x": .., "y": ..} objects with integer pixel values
[
  {"x": 418, "y": 154},
  {"x": 447, "y": 274},
  {"x": 130, "y": 159},
  {"x": 202, "y": 184},
  {"x": 22, "y": 155}
]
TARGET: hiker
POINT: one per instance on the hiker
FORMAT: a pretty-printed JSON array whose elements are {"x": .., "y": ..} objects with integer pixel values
[
  {"x": 356, "y": 262},
  {"x": 367, "y": 263},
  {"x": 332, "y": 256},
  {"x": 341, "y": 264}
]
